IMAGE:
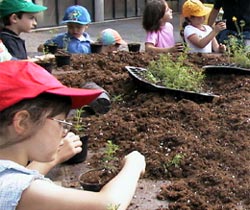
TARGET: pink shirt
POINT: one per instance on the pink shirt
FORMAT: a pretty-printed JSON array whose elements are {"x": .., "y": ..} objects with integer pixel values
[{"x": 164, "y": 38}]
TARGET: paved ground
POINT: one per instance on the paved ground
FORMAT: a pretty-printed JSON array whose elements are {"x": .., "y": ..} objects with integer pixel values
[{"x": 130, "y": 29}]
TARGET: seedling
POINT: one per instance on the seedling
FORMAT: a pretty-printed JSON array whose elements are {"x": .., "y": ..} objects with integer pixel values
[
  {"x": 66, "y": 41},
  {"x": 238, "y": 53},
  {"x": 113, "y": 207},
  {"x": 118, "y": 98},
  {"x": 78, "y": 124},
  {"x": 176, "y": 161},
  {"x": 109, "y": 155}
]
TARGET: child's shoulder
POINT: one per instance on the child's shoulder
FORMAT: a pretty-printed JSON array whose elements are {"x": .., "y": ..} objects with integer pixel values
[{"x": 62, "y": 34}]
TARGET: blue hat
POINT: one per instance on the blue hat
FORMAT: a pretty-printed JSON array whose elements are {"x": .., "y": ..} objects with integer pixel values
[{"x": 76, "y": 14}]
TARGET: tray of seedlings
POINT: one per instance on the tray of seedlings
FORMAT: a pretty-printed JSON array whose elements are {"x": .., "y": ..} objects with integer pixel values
[
  {"x": 147, "y": 82},
  {"x": 226, "y": 69}
]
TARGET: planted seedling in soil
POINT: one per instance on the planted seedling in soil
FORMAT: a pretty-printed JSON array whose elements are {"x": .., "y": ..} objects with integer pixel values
[
  {"x": 95, "y": 179},
  {"x": 78, "y": 128}
]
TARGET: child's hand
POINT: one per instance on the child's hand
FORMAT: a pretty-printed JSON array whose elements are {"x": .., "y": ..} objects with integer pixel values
[
  {"x": 220, "y": 26},
  {"x": 137, "y": 159},
  {"x": 222, "y": 48},
  {"x": 70, "y": 146},
  {"x": 178, "y": 47}
]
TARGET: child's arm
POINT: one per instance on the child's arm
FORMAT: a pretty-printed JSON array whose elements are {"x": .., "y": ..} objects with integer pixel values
[
  {"x": 149, "y": 47},
  {"x": 218, "y": 47},
  {"x": 118, "y": 192},
  {"x": 202, "y": 42}
]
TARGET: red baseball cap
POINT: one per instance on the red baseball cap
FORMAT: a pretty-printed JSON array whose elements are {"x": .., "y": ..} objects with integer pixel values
[{"x": 23, "y": 80}]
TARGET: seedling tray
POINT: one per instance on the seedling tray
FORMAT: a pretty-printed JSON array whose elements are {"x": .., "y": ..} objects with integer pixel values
[
  {"x": 137, "y": 74},
  {"x": 225, "y": 69}
]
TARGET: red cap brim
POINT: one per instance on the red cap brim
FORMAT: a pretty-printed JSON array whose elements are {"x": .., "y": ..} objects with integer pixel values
[
  {"x": 79, "y": 97},
  {"x": 23, "y": 79}
]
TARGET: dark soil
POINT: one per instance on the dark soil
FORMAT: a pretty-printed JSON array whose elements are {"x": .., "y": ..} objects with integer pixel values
[{"x": 202, "y": 148}]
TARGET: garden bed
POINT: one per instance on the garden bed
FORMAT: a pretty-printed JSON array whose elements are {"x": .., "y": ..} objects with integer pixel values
[{"x": 201, "y": 148}]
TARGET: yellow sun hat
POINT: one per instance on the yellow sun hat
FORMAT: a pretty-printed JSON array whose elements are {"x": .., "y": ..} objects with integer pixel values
[{"x": 194, "y": 8}]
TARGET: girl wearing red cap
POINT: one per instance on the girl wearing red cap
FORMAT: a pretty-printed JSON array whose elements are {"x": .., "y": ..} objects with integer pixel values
[{"x": 33, "y": 108}]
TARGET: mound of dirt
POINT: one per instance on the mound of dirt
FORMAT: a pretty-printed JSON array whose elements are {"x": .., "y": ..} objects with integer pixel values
[{"x": 201, "y": 148}]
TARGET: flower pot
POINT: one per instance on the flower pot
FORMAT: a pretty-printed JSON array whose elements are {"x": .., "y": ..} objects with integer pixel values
[
  {"x": 95, "y": 179},
  {"x": 102, "y": 104},
  {"x": 46, "y": 65},
  {"x": 134, "y": 47},
  {"x": 51, "y": 48},
  {"x": 96, "y": 47},
  {"x": 62, "y": 59},
  {"x": 80, "y": 157}
]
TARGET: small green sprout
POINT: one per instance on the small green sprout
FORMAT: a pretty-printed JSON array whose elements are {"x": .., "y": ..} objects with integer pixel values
[
  {"x": 109, "y": 155},
  {"x": 78, "y": 124},
  {"x": 113, "y": 207}
]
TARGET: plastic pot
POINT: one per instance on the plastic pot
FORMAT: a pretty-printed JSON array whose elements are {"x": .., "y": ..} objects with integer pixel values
[
  {"x": 51, "y": 48},
  {"x": 96, "y": 47},
  {"x": 62, "y": 59},
  {"x": 102, "y": 104},
  {"x": 80, "y": 157},
  {"x": 95, "y": 179},
  {"x": 134, "y": 47},
  {"x": 46, "y": 65}
]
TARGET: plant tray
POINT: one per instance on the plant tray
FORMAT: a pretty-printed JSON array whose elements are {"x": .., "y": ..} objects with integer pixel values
[
  {"x": 225, "y": 69},
  {"x": 137, "y": 74}
]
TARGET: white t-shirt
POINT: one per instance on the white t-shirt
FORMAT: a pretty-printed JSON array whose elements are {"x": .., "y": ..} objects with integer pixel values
[
  {"x": 4, "y": 53},
  {"x": 190, "y": 30}
]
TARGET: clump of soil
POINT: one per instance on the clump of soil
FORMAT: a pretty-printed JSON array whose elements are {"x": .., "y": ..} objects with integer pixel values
[{"x": 211, "y": 139}]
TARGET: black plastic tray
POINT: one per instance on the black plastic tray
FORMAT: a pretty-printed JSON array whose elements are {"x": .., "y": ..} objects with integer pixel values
[
  {"x": 225, "y": 69},
  {"x": 136, "y": 74}
]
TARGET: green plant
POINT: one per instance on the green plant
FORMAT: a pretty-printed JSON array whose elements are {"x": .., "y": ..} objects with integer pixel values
[
  {"x": 237, "y": 52},
  {"x": 117, "y": 98},
  {"x": 109, "y": 155},
  {"x": 78, "y": 125},
  {"x": 113, "y": 207},
  {"x": 175, "y": 161},
  {"x": 175, "y": 73},
  {"x": 66, "y": 41}
]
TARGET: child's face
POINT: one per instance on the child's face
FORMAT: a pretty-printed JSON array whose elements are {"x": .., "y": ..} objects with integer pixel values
[
  {"x": 110, "y": 48},
  {"x": 27, "y": 22},
  {"x": 48, "y": 139},
  {"x": 76, "y": 29},
  {"x": 168, "y": 15},
  {"x": 197, "y": 20}
]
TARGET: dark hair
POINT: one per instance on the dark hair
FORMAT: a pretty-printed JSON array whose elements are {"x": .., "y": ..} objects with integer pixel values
[
  {"x": 6, "y": 19},
  {"x": 153, "y": 12},
  {"x": 47, "y": 105}
]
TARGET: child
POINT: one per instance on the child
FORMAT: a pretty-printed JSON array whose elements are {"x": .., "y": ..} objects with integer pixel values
[
  {"x": 18, "y": 16},
  {"x": 110, "y": 40},
  {"x": 199, "y": 37},
  {"x": 160, "y": 35},
  {"x": 33, "y": 108},
  {"x": 75, "y": 40}
]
